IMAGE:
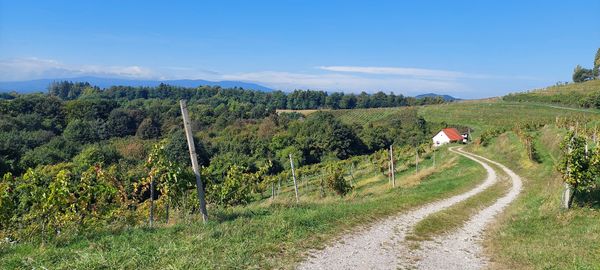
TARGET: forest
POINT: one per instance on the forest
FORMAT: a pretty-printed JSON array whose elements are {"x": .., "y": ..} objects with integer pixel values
[{"x": 80, "y": 157}]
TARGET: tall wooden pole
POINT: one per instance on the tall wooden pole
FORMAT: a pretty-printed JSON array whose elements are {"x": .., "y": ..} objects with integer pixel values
[
  {"x": 192, "y": 148},
  {"x": 389, "y": 170},
  {"x": 294, "y": 176},
  {"x": 416, "y": 161},
  {"x": 272, "y": 190},
  {"x": 151, "y": 218},
  {"x": 352, "y": 174},
  {"x": 392, "y": 166},
  {"x": 279, "y": 186}
]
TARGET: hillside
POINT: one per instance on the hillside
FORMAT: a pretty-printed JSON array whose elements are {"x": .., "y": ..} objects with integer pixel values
[
  {"x": 445, "y": 97},
  {"x": 253, "y": 213},
  {"x": 585, "y": 95}
]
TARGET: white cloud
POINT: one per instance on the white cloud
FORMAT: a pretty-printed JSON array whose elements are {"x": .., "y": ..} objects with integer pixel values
[
  {"x": 345, "y": 82},
  {"x": 405, "y": 71},
  {"x": 402, "y": 80},
  {"x": 35, "y": 68}
]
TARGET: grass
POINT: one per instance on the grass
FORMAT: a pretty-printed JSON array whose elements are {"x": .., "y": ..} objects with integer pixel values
[
  {"x": 303, "y": 112},
  {"x": 494, "y": 114},
  {"x": 258, "y": 236},
  {"x": 454, "y": 217},
  {"x": 371, "y": 115},
  {"x": 583, "y": 94},
  {"x": 534, "y": 233},
  {"x": 584, "y": 87}
]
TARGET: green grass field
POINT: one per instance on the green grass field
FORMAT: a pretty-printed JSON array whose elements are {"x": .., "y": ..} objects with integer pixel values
[
  {"x": 262, "y": 235},
  {"x": 497, "y": 114},
  {"x": 585, "y": 94},
  {"x": 532, "y": 233}
]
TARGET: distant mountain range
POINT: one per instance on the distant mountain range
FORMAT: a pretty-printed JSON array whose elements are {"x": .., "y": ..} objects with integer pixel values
[
  {"x": 41, "y": 85},
  {"x": 445, "y": 97}
]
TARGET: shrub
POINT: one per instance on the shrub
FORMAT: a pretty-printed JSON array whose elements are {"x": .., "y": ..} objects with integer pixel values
[{"x": 337, "y": 182}]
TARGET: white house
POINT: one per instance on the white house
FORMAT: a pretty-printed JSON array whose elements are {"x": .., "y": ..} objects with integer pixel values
[{"x": 448, "y": 135}]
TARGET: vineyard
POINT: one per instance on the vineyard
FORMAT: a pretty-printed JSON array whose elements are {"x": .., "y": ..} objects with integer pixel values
[
  {"x": 267, "y": 233},
  {"x": 374, "y": 116},
  {"x": 585, "y": 94},
  {"x": 266, "y": 225}
]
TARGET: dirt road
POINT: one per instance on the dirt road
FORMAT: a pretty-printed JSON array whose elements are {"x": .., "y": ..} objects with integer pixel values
[{"x": 383, "y": 246}]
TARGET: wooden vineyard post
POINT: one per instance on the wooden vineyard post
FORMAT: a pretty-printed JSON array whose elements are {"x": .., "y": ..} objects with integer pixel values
[
  {"x": 389, "y": 171},
  {"x": 279, "y": 186},
  {"x": 568, "y": 191},
  {"x": 469, "y": 135},
  {"x": 151, "y": 218},
  {"x": 352, "y": 174},
  {"x": 392, "y": 166},
  {"x": 294, "y": 177},
  {"x": 192, "y": 149},
  {"x": 272, "y": 191},
  {"x": 416, "y": 161}
]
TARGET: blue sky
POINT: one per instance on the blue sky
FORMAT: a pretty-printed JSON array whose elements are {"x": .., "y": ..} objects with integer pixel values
[{"x": 470, "y": 49}]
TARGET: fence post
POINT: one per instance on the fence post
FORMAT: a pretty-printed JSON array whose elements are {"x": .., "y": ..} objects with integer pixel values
[
  {"x": 392, "y": 166},
  {"x": 279, "y": 186},
  {"x": 294, "y": 177},
  {"x": 151, "y": 218},
  {"x": 417, "y": 160},
  {"x": 272, "y": 191},
  {"x": 389, "y": 171},
  {"x": 192, "y": 149}
]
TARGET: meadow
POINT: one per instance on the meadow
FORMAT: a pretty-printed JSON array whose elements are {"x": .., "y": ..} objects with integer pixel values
[
  {"x": 275, "y": 232},
  {"x": 271, "y": 233}
]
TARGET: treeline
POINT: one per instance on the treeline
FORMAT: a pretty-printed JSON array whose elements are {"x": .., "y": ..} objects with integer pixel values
[
  {"x": 215, "y": 95},
  {"x": 84, "y": 158},
  {"x": 581, "y": 74}
]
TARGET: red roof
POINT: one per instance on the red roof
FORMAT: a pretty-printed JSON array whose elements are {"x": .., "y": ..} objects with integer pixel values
[{"x": 453, "y": 134}]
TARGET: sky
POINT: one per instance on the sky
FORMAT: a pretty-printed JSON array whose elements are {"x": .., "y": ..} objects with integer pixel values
[{"x": 469, "y": 49}]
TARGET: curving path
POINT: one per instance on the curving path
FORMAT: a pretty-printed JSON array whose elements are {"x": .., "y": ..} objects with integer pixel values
[{"x": 383, "y": 245}]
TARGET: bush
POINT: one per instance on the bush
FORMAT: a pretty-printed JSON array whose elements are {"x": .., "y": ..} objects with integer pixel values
[
  {"x": 81, "y": 131},
  {"x": 148, "y": 129},
  {"x": 337, "y": 182},
  {"x": 97, "y": 155}
]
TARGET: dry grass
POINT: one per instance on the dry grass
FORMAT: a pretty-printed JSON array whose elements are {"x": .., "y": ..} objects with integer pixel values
[
  {"x": 416, "y": 178},
  {"x": 303, "y": 112}
]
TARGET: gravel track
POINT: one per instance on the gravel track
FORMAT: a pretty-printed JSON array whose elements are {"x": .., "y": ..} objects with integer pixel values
[
  {"x": 462, "y": 249},
  {"x": 383, "y": 246}
]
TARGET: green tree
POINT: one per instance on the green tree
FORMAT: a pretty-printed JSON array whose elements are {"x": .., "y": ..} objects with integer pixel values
[
  {"x": 597, "y": 64},
  {"x": 148, "y": 129},
  {"x": 120, "y": 123},
  {"x": 581, "y": 74},
  {"x": 321, "y": 134},
  {"x": 98, "y": 154},
  {"x": 81, "y": 131}
]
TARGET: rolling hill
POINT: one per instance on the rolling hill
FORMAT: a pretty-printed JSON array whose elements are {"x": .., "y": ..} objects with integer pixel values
[{"x": 445, "y": 97}]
